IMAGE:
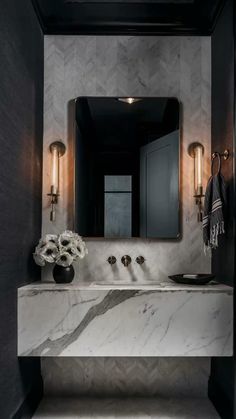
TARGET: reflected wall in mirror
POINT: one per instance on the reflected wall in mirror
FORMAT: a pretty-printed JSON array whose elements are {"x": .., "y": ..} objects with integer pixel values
[{"x": 127, "y": 167}]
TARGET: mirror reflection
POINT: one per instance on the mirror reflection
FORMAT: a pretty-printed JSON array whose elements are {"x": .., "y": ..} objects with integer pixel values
[{"x": 127, "y": 167}]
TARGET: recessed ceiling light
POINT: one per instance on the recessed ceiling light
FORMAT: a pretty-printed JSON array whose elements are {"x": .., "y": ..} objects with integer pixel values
[{"x": 129, "y": 100}]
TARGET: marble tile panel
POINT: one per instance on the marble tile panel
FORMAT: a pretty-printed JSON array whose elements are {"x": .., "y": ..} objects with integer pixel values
[
  {"x": 130, "y": 66},
  {"x": 126, "y": 409},
  {"x": 125, "y": 377}
]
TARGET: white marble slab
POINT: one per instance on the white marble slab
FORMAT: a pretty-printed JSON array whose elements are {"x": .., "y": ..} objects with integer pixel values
[
  {"x": 138, "y": 320},
  {"x": 149, "y": 408}
]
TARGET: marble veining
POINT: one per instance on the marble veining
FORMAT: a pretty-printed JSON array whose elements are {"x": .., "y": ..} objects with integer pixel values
[
  {"x": 152, "y": 408},
  {"x": 124, "y": 322}
]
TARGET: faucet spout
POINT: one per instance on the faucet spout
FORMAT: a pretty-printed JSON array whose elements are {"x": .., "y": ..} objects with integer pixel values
[{"x": 126, "y": 260}]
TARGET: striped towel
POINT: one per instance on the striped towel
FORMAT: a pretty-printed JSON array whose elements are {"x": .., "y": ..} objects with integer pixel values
[{"x": 214, "y": 209}]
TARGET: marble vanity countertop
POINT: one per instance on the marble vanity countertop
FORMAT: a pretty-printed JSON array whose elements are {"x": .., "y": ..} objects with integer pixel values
[
  {"x": 101, "y": 319},
  {"x": 168, "y": 286}
]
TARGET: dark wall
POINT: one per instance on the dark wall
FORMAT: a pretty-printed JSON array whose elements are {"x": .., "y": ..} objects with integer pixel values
[
  {"x": 223, "y": 132},
  {"x": 21, "y": 108},
  {"x": 223, "y": 261}
]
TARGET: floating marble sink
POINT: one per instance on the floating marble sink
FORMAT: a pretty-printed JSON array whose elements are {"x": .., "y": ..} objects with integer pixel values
[{"x": 164, "y": 319}]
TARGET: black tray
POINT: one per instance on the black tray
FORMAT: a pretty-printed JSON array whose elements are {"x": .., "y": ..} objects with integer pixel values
[{"x": 201, "y": 279}]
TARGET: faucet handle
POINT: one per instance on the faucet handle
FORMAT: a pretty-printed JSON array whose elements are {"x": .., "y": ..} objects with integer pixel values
[
  {"x": 111, "y": 260},
  {"x": 126, "y": 260},
  {"x": 140, "y": 260}
]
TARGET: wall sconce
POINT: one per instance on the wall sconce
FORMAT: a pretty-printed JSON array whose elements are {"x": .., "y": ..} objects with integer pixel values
[
  {"x": 196, "y": 150},
  {"x": 57, "y": 150}
]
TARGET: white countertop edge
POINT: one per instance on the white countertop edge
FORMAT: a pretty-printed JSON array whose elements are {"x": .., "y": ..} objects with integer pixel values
[{"x": 167, "y": 286}]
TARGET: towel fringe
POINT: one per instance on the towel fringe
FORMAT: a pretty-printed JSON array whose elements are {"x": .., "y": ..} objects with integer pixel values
[{"x": 215, "y": 231}]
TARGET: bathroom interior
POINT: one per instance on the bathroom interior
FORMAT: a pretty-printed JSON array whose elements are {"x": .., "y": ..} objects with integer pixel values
[{"x": 117, "y": 116}]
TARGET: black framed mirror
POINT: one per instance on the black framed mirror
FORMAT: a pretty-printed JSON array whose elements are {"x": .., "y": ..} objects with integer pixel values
[{"x": 127, "y": 167}]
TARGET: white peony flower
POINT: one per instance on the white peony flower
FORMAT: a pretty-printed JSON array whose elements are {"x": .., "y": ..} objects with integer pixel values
[
  {"x": 64, "y": 259},
  {"x": 49, "y": 252},
  {"x": 72, "y": 243},
  {"x": 63, "y": 249},
  {"x": 81, "y": 249},
  {"x": 72, "y": 250},
  {"x": 66, "y": 239},
  {"x": 39, "y": 260},
  {"x": 49, "y": 238},
  {"x": 53, "y": 238}
]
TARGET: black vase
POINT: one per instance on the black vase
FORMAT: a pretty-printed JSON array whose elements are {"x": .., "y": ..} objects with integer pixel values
[{"x": 63, "y": 274}]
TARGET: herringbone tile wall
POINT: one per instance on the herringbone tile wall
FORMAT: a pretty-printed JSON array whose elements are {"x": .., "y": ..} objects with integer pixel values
[
  {"x": 164, "y": 377},
  {"x": 130, "y": 66}
]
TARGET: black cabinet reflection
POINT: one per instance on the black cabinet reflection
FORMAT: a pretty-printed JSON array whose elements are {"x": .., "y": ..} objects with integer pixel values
[
  {"x": 118, "y": 206},
  {"x": 127, "y": 167}
]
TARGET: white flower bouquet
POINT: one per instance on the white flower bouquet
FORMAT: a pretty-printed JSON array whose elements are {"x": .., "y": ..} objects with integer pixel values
[{"x": 62, "y": 249}]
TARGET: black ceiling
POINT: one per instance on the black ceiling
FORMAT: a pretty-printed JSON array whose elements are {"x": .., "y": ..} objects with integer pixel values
[{"x": 161, "y": 17}]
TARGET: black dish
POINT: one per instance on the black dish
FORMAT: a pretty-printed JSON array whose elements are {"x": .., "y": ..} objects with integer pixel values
[{"x": 201, "y": 279}]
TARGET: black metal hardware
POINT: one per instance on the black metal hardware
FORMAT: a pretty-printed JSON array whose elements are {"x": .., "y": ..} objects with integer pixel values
[
  {"x": 126, "y": 260},
  {"x": 111, "y": 260},
  {"x": 140, "y": 260}
]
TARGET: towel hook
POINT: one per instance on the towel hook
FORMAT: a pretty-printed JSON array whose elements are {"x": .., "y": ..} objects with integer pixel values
[
  {"x": 217, "y": 155},
  {"x": 214, "y": 156}
]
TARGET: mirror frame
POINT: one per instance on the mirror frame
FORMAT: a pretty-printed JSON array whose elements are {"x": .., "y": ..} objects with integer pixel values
[{"x": 71, "y": 210}]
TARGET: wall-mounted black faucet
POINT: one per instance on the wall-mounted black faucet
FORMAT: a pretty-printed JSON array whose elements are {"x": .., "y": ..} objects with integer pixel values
[
  {"x": 126, "y": 260},
  {"x": 111, "y": 260},
  {"x": 140, "y": 260}
]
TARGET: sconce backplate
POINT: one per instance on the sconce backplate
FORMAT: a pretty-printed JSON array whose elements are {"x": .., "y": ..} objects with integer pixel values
[
  {"x": 192, "y": 146},
  {"x": 60, "y": 146}
]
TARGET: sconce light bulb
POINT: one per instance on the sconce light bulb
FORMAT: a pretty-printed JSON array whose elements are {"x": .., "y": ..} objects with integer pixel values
[
  {"x": 198, "y": 167},
  {"x": 196, "y": 150},
  {"x": 55, "y": 170},
  {"x": 57, "y": 150}
]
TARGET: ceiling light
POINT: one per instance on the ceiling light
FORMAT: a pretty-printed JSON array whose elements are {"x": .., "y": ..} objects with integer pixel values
[{"x": 129, "y": 100}]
